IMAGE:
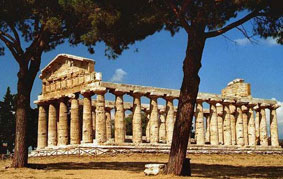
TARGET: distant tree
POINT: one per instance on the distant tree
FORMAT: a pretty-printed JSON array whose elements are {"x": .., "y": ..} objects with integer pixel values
[
  {"x": 7, "y": 120},
  {"x": 129, "y": 124}
]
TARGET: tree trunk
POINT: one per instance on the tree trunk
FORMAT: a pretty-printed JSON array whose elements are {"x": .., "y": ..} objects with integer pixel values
[
  {"x": 187, "y": 100},
  {"x": 26, "y": 76}
]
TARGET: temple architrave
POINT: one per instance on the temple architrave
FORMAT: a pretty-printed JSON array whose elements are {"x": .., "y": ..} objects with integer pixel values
[{"x": 73, "y": 112}]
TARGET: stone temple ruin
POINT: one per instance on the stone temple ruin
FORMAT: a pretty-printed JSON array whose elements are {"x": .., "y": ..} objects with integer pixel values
[{"x": 234, "y": 121}]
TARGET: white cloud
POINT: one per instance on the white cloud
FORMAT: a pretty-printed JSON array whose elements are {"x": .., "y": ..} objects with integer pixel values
[
  {"x": 243, "y": 41},
  {"x": 269, "y": 41},
  {"x": 119, "y": 75}
]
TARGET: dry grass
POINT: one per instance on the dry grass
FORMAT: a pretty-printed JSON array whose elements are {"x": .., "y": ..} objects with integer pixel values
[{"x": 132, "y": 166}]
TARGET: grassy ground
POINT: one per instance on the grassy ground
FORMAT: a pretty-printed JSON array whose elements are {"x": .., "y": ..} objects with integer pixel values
[{"x": 132, "y": 166}]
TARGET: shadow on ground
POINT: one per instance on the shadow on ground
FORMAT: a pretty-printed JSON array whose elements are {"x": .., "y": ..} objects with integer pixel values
[{"x": 198, "y": 170}]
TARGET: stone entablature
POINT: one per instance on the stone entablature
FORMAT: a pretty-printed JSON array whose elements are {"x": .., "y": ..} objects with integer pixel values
[{"x": 233, "y": 118}]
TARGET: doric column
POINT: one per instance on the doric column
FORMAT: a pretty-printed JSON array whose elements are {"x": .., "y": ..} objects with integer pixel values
[
  {"x": 214, "y": 139},
  {"x": 239, "y": 124},
  {"x": 63, "y": 130},
  {"x": 137, "y": 118},
  {"x": 162, "y": 125},
  {"x": 108, "y": 123},
  {"x": 233, "y": 123},
  {"x": 257, "y": 116},
  {"x": 227, "y": 122},
  {"x": 100, "y": 116},
  {"x": 120, "y": 130},
  {"x": 263, "y": 125},
  {"x": 93, "y": 116},
  {"x": 75, "y": 128},
  {"x": 245, "y": 124},
  {"x": 169, "y": 119},
  {"x": 251, "y": 124},
  {"x": 199, "y": 123},
  {"x": 147, "y": 132},
  {"x": 273, "y": 125},
  {"x": 220, "y": 122},
  {"x": 52, "y": 125},
  {"x": 207, "y": 132},
  {"x": 42, "y": 127},
  {"x": 154, "y": 122},
  {"x": 87, "y": 119}
]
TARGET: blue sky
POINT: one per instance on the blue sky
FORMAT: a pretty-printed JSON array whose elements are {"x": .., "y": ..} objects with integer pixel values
[{"x": 158, "y": 62}]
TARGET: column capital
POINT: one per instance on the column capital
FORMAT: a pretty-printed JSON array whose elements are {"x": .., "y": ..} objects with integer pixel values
[
  {"x": 263, "y": 105},
  {"x": 155, "y": 95},
  {"x": 119, "y": 91},
  {"x": 240, "y": 103},
  {"x": 168, "y": 97},
  {"x": 73, "y": 96},
  {"x": 214, "y": 100},
  {"x": 99, "y": 90},
  {"x": 228, "y": 102},
  {"x": 251, "y": 105},
  {"x": 201, "y": 100},
  {"x": 137, "y": 93},
  {"x": 274, "y": 106},
  {"x": 86, "y": 93}
]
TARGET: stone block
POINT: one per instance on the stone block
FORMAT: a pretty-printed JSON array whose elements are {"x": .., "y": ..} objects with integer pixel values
[{"x": 153, "y": 169}]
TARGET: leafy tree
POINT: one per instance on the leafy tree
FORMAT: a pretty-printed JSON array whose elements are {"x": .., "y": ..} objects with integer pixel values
[
  {"x": 7, "y": 120},
  {"x": 201, "y": 19}
]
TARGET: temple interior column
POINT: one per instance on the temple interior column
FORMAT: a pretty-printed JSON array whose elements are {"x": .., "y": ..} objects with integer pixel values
[
  {"x": 169, "y": 119},
  {"x": 120, "y": 127},
  {"x": 263, "y": 125},
  {"x": 137, "y": 118},
  {"x": 162, "y": 126},
  {"x": 239, "y": 124},
  {"x": 199, "y": 123},
  {"x": 233, "y": 123},
  {"x": 52, "y": 125},
  {"x": 154, "y": 122},
  {"x": 75, "y": 128},
  {"x": 42, "y": 127},
  {"x": 63, "y": 129},
  {"x": 207, "y": 132},
  {"x": 87, "y": 119},
  {"x": 274, "y": 125},
  {"x": 220, "y": 122},
  {"x": 257, "y": 131},
  {"x": 93, "y": 116},
  {"x": 108, "y": 123},
  {"x": 147, "y": 130},
  {"x": 227, "y": 122},
  {"x": 100, "y": 116},
  {"x": 245, "y": 124},
  {"x": 251, "y": 125},
  {"x": 214, "y": 139}
]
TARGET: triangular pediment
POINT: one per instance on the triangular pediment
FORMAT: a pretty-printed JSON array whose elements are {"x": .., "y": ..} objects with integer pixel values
[{"x": 64, "y": 64}]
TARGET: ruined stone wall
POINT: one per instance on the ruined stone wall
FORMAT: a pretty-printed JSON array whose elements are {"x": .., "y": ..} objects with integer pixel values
[{"x": 237, "y": 88}]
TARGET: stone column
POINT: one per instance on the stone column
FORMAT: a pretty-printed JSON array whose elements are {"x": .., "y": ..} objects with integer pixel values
[
  {"x": 93, "y": 116},
  {"x": 251, "y": 125},
  {"x": 63, "y": 130},
  {"x": 52, "y": 125},
  {"x": 199, "y": 123},
  {"x": 108, "y": 123},
  {"x": 233, "y": 123},
  {"x": 162, "y": 126},
  {"x": 220, "y": 122},
  {"x": 154, "y": 122},
  {"x": 42, "y": 127},
  {"x": 239, "y": 124},
  {"x": 245, "y": 124},
  {"x": 214, "y": 139},
  {"x": 274, "y": 125},
  {"x": 100, "y": 116},
  {"x": 207, "y": 132},
  {"x": 75, "y": 128},
  {"x": 169, "y": 119},
  {"x": 148, "y": 126},
  {"x": 257, "y": 138},
  {"x": 137, "y": 118},
  {"x": 87, "y": 119},
  {"x": 263, "y": 125},
  {"x": 120, "y": 130},
  {"x": 227, "y": 122}
]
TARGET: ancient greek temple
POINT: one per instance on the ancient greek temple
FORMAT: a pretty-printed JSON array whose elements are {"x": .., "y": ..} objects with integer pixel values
[{"x": 73, "y": 111}]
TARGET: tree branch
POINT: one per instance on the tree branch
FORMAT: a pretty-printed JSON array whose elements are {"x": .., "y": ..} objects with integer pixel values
[
  {"x": 17, "y": 41},
  {"x": 231, "y": 26},
  {"x": 11, "y": 47}
]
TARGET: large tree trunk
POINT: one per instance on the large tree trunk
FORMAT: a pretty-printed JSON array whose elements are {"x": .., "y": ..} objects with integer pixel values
[
  {"x": 26, "y": 76},
  {"x": 187, "y": 99}
]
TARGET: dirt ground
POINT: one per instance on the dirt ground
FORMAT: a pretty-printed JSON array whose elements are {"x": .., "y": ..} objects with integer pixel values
[{"x": 132, "y": 166}]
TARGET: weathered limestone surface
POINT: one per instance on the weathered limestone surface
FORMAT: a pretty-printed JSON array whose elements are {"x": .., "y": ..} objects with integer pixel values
[
  {"x": 214, "y": 139},
  {"x": 93, "y": 116},
  {"x": 237, "y": 88},
  {"x": 207, "y": 132},
  {"x": 245, "y": 124},
  {"x": 120, "y": 131},
  {"x": 257, "y": 120},
  {"x": 75, "y": 122},
  {"x": 42, "y": 127},
  {"x": 153, "y": 169},
  {"x": 227, "y": 124},
  {"x": 154, "y": 122},
  {"x": 233, "y": 123},
  {"x": 108, "y": 123},
  {"x": 87, "y": 119},
  {"x": 169, "y": 120},
  {"x": 239, "y": 126},
  {"x": 262, "y": 127},
  {"x": 63, "y": 130},
  {"x": 274, "y": 126},
  {"x": 100, "y": 118},
  {"x": 162, "y": 126},
  {"x": 251, "y": 125},
  {"x": 52, "y": 125},
  {"x": 220, "y": 122}
]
